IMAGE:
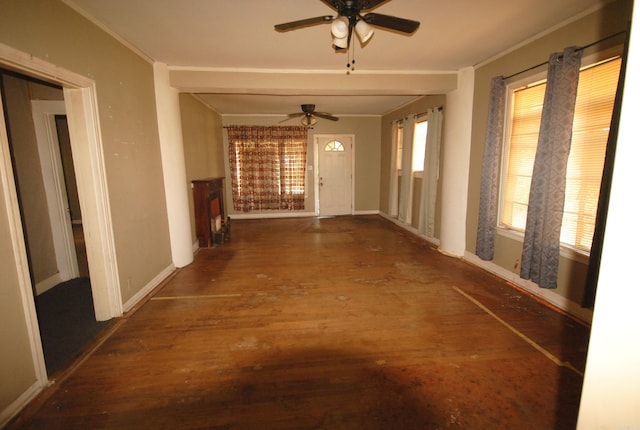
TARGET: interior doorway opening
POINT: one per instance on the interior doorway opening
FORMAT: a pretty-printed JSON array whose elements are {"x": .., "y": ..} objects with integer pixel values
[{"x": 49, "y": 208}]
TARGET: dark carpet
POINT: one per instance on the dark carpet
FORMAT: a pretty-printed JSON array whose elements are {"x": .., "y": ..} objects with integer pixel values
[{"x": 67, "y": 322}]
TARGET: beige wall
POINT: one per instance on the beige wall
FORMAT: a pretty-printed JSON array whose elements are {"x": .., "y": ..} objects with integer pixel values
[
  {"x": 202, "y": 140},
  {"x": 17, "y": 372},
  {"x": 367, "y": 156},
  {"x": 591, "y": 28},
  {"x": 419, "y": 106},
  {"x": 126, "y": 102},
  {"x": 51, "y": 31}
]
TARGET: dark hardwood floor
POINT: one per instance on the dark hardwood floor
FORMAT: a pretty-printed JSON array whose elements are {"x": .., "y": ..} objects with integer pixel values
[{"x": 332, "y": 323}]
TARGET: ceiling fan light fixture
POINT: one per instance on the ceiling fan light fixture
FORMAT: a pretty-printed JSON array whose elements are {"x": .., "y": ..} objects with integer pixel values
[
  {"x": 340, "y": 27},
  {"x": 308, "y": 120},
  {"x": 364, "y": 31},
  {"x": 341, "y": 43}
]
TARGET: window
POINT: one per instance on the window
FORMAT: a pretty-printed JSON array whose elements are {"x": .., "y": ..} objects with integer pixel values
[
  {"x": 594, "y": 107},
  {"x": 399, "y": 138},
  {"x": 334, "y": 146},
  {"x": 267, "y": 167},
  {"x": 419, "y": 145}
]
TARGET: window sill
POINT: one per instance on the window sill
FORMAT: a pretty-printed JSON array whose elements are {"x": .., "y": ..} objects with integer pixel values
[{"x": 566, "y": 251}]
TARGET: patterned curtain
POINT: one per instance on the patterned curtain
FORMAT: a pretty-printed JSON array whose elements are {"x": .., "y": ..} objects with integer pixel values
[
  {"x": 431, "y": 171},
  {"x": 488, "y": 213},
  {"x": 541, "y": 248},
  {"x": 268, "y": 166}
]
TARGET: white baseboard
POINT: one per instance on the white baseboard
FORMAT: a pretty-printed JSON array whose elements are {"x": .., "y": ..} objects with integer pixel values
[
  {"x": 432, "y": 240},
  {"x": 265, "y": 215},
  {"x": 48, "y": 283},
  {"x": 545, "y": 294},
  {"x": 373, "y": 212},
  {"x": 18, "y": 404},
  {"x": 130, "y": 304}
]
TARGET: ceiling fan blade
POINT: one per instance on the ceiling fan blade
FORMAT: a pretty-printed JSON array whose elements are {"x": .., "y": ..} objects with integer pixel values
[
  {"x": 325, "y": 116},
  {"x": 303, "y": 23},
  {"x": 370, "y": 4},
  {"x": 334, "y": 4},
  {"x": 392, "y": 22},
  {"x": 295, "y": 115}
]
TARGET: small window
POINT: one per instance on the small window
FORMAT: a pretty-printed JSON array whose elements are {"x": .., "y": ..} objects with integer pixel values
[
  {"x": 419, "y": 145},
  {"x": 399, "y": 138},
  {"x": 334, "y": 146},
  {"x": 594, "y": 106}
]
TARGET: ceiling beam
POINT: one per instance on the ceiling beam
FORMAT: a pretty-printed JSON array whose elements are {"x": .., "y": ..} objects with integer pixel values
[{"x": 311, "y": 82}]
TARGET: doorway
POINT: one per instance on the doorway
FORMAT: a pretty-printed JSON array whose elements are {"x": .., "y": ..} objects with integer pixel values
[
  {"x": 334, "y": 177},
  {"x": 43, "y": 172}
]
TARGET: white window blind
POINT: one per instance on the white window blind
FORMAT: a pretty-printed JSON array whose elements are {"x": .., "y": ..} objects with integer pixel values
[{"x": 594, "y": 106}]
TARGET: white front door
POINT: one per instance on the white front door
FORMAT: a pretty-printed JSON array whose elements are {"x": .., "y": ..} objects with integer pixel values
[{"x": 335, "y": 176}]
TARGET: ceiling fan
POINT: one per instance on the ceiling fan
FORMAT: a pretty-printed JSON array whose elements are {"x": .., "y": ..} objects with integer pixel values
[
  {"x": 309, "y": 115},
  {"x": 350, "y": 18}
]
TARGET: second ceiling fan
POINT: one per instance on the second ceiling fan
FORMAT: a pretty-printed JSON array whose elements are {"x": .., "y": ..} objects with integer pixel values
[{"x": 309, "y": 113}]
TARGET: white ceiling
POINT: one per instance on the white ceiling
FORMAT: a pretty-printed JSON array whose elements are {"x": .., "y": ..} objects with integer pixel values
[{"x": 239, "y": 35}]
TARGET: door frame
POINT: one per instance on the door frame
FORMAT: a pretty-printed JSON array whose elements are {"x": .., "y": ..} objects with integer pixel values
[
  {"x": 316, "y": 176},
  {"x": 44, "y": 113},
  {"x": 81, "y": 105}
]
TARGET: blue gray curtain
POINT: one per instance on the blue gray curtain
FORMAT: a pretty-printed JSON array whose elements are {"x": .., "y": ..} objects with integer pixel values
[
  {"x": 541, "y": 248},
  {"x": 488, "y": 214}
]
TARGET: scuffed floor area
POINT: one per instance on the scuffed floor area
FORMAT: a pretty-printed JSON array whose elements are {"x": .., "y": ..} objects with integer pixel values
[{"x": 333, "y": 323}]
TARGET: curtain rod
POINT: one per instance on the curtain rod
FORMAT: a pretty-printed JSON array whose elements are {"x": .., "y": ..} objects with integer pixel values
[
  {"x": 415, "y": 115},
  {"x": 440, "y": 108},
  {"x": 579, "y": 49}
]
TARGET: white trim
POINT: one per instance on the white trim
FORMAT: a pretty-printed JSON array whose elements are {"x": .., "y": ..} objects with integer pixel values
[
  {"x": 367, "y": 212},
  {"x": 84, "y": 129},
  {"x": 49, "y": 283},
  {"x": 18, "y": 404},
  {"x": 16, "y": 234},
  {"x": 316, "y": 177},
  {"x": 308, "y": 71},
  {"x": 43, "y": 112},
  {"x": 266, "y": 215},
  {"x": 89, "y": 166},
  {"x": 143, "y": 292},
  {"x": 547, "y": 295},
  {"x": 432, "y": 240}
]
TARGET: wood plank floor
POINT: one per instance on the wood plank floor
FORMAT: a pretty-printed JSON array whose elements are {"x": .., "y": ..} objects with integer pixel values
[{"x": 331, "y": 323}]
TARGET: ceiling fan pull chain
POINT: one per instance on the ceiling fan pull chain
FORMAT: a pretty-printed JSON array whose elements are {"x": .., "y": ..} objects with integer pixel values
[{"x": 351, "y": 64}]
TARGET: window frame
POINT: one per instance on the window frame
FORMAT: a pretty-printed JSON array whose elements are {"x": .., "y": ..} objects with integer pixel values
[{"x": 566, "y": 250}]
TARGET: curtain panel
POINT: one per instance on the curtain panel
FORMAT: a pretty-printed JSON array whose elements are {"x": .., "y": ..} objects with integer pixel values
[
  {"x": 541, "y": 247},
  {"x": 406, "y": 178},
  {"x": 489, "y": 181},
  {"x": 393, "y": 175},
  {"x": 268, "y": 166},
  {"x": 431, "y": 172}
]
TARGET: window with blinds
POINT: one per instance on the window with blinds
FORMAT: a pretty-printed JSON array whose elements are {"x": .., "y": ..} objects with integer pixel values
[{"x": 594, "y": 107}]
